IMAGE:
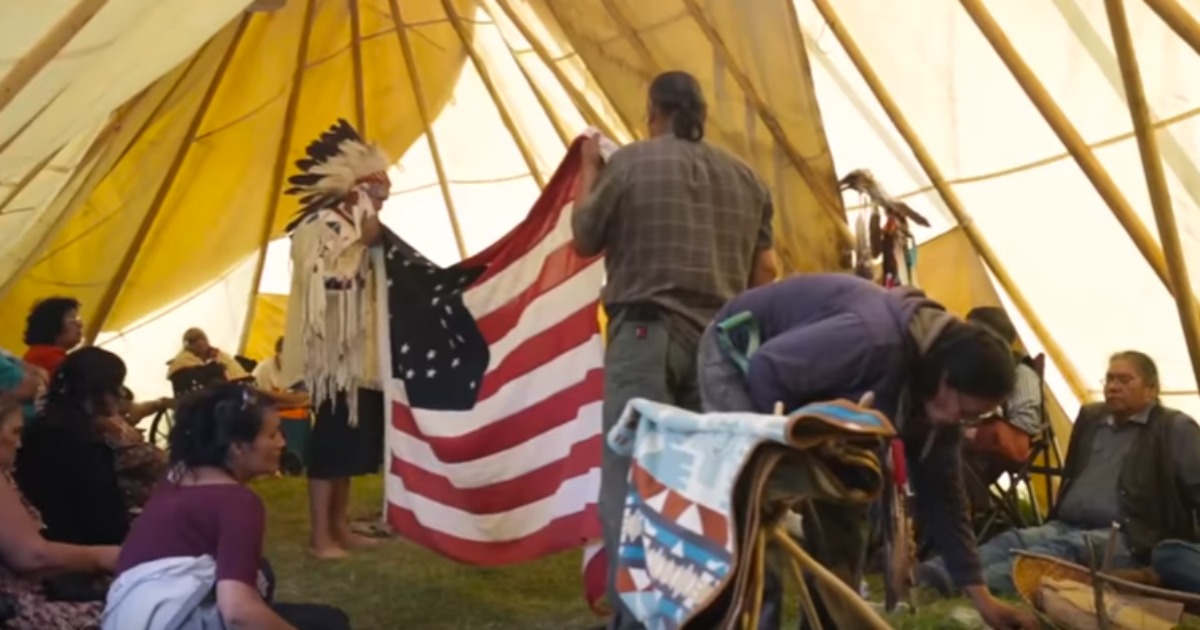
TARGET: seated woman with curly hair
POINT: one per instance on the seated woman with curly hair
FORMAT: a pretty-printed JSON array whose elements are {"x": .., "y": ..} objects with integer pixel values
[
  {"x": 27, "y": 559},
  {"x": 52, "y": 329},
  {"x": 201, "y": 533}
]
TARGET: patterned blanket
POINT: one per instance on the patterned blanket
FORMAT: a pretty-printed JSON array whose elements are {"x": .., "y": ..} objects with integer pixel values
[{"x": 699, "y": 482}]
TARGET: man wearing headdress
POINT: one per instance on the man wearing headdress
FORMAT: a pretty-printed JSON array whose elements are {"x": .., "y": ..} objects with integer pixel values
[{"x": 330, "y": 341}]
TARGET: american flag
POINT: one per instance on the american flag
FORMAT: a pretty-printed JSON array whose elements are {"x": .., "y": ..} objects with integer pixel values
[{"x": 494, "y": 425}]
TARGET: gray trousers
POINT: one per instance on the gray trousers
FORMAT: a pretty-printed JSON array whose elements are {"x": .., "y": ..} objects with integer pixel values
[
  {"x": 722, "y": 384},
  {"x": 643, "y": 359}
]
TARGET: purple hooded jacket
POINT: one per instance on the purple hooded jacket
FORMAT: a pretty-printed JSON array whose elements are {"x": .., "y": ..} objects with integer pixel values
[{"x": 826, "y": 336}]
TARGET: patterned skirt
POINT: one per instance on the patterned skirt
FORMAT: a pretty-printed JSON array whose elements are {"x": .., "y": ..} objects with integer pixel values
[{"x": 35, "y": 612}]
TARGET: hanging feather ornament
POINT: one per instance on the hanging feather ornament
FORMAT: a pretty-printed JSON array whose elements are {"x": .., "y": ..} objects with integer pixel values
[
  {"x": 876, "y": 232},
  {"x": 862, "y": 249},
  {"x": 888, "y": 231},
  {"x": 862, "y": 181},
  {"x": 337, "y": 162}
]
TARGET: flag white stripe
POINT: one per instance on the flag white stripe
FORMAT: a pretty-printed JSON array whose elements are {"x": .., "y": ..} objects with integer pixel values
[
  {"x": 538, "y": 451},
  {"x": 512, "y": 280},
  {"x": 548, "y": 309},
  {"x": 548, "y": 379},
  {"x": 572, "y": 497}
]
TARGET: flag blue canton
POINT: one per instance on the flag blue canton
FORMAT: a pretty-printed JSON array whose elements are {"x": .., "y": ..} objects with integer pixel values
[{"x": 437, "y": 349}]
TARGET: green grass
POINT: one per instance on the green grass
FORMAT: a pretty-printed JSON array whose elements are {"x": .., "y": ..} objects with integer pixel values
[{"x": 401, "y": 585}]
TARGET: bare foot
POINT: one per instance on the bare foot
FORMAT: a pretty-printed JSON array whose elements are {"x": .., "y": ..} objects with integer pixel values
[
  {"x": 332, "y": 552},
  {"x": 354, "y": 541}
]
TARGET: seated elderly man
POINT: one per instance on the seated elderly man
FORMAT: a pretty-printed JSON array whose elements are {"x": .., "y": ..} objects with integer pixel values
[
  {"x": 199, "y": 365},
  {"x": 1132, "y": 463}
]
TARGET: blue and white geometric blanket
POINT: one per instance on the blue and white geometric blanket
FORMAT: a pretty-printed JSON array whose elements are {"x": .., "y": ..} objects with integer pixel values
[{"x": 678, "y": 539}]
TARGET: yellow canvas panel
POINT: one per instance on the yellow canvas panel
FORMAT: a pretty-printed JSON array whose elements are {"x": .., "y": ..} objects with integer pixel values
[
  {"x": 949, "y": 271},
  {"x": 84, "y": 255},
  {"x": 270, "y": 320},
  {"x": 199, "y": 188},
  {"x": 67, "y": 64},
  {"x": 625, "y": 43}
]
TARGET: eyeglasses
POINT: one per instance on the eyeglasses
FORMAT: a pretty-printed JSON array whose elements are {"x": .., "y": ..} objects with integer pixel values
[{"x": 1118, "y": 379}]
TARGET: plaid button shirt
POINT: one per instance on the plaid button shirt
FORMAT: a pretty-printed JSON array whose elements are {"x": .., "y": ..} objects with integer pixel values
[{"x": 679, "y": 224}]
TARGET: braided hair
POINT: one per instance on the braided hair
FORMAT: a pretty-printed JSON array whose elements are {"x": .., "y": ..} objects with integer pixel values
[
  {"x": 677, "y": 94},
  {"x": 210, "y": 422}
]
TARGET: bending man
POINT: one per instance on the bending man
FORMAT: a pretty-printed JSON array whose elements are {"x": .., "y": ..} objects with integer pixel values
[{"x": 824, "y": 336}]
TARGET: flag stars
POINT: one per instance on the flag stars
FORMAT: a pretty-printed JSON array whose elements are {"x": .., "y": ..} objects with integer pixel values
[
  {"x": 404, "y": 349},
  {"x": 409, "y": 374},
  {"x": 429, "y": 355},
  {"x": 430, "y": 373},
  {"x": 454, "y": 362},
  {"x": 472, "y": 384},
  {"x": 436, "y": 299}
]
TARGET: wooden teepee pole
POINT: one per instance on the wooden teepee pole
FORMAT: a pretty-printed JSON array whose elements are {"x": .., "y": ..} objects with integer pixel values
[
  {"x": 953, "y": 202},
  {"x": 1180, "y": 21},
  {"x": 1156, "y": 179},
  {"x": 32, "y": 62}
]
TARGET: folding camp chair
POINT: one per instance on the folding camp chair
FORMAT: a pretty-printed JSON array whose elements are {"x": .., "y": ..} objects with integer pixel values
[{"x": 1005, "y": 510}]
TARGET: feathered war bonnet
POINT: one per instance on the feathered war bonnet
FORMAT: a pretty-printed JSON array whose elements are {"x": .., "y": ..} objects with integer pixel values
[{"x": 337, "y": 163}]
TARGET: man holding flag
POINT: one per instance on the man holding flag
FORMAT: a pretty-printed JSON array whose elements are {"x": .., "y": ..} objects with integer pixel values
[
  {"x": 684, "y": 227},
  {"x": 367, "y": 315}
]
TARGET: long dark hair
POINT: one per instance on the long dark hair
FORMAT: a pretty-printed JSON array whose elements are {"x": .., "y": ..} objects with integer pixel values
[
  {"x": 85, "y": 386},
  {"x": 210, "y": 422},
  {"x": 975, "y": 361},
  {"x": 677, "y": 94}
]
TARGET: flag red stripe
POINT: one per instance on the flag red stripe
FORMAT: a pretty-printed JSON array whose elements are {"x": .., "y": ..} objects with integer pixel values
[
  {"x": 541, "y": 220},
  {"x": 503, "y": 434},
  {"x": 557, "y": 268},
  {"x": 504, "y": 496},
  {"x": 595, "y": 581},
  {"x": 538, "y": 350},
  {"x": 561, "y": 534}
]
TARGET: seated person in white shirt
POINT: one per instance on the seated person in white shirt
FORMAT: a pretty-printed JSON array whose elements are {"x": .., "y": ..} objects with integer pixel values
[
  {"x": 1003, "y": 441},
  {"x": 293, "y": 403}
]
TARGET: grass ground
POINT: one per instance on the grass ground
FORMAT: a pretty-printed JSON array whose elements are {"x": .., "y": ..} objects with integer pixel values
[{"x": 401, "y": 585}]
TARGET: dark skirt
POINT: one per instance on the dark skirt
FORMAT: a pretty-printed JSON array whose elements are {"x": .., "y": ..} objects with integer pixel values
[{"x": 335, "y": 449}]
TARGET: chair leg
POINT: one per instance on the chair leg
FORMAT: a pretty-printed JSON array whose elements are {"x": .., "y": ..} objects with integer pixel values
[
  {"x": 824, "y": 577},
  {"x": 758, "y": 580}
]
